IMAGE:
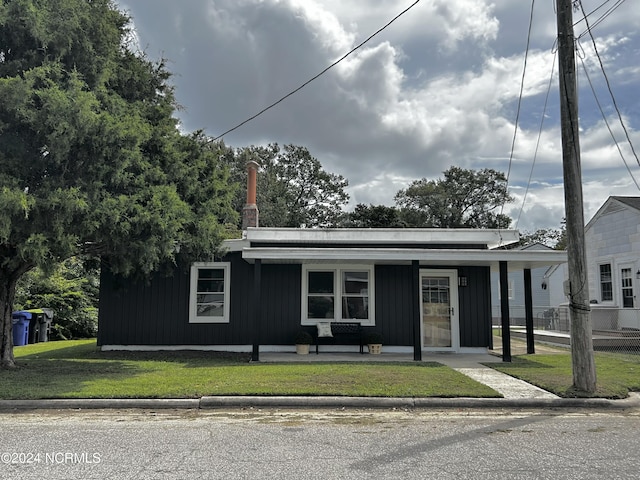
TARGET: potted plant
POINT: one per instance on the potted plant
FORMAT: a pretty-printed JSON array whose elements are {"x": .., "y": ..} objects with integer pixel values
[
  {"x": 374, "y": 342},
  {"x": 302, "y": 340}
]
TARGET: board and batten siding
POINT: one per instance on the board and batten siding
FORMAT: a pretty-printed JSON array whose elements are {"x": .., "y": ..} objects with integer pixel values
[{"x": 156, "y": 312}]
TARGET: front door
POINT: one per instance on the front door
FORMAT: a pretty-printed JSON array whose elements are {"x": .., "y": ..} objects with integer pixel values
[{"x": 439, "y": 301}]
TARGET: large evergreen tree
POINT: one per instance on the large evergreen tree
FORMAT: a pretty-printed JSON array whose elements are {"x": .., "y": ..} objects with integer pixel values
[{"x": 91, "y": 161}]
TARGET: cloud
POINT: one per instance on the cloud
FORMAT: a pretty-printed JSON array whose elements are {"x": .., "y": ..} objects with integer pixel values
[{"x": 439, "y": 87}]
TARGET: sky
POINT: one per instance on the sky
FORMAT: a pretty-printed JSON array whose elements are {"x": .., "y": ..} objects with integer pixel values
[{"x": 439, "y": 87}]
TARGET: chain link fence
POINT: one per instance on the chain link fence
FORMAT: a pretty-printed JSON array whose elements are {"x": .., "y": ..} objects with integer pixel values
[{"x": 614, "y": 329}]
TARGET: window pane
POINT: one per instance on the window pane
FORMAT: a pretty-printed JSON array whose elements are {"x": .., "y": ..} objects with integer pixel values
[
  {"x": 211, "y": 280},
  {"x": 320, "y": 307},
  {"x": 355, "y": 282},
  {"x": 627, "y": 288},
  {"x": 214, "y": 310},
  {"x": 355, "y": 307},
  {"x": 320, "y": 282}
]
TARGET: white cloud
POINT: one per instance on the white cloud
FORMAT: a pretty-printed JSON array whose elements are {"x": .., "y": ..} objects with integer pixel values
[{"x": 438, "y": 88}]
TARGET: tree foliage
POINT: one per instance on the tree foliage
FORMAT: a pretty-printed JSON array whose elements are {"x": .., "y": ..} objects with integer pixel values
[
  {"x": 293, "y": 188},
  {"x": 555, "y": 238},
  {"x": 91, "y": 159},
  {"x": 70, "y": 290},
  {"x": 373, "y": 216},
  {"x": 462, "y": 199}
]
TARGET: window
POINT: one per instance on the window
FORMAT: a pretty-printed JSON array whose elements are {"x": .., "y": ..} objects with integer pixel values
[
  {"x": 337, "y": 294},
  {"x": 627, "y": 288},
  {"x": 510, "y": 289},
  {"x": 606, "y": 286},
  {"x": 209, "y": 297}
]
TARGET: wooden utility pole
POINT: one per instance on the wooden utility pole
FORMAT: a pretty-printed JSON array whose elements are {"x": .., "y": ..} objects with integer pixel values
[{"x": 584, "y": 370}]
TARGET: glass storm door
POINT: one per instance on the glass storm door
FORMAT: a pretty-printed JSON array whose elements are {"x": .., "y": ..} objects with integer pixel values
[{"x": 439, "y": 301}]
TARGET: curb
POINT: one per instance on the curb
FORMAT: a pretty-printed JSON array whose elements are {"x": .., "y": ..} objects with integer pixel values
[{"x": 215, "y": 402}]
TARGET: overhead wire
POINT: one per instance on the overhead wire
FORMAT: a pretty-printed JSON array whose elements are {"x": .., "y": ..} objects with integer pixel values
[
  {"x": 606, "y": 122},
  {"x": 357, "y": 47},
  {"x": 604, "y": 73},
  {"x": 524, "y": 72},
  {"x": 535, "y": 153}
]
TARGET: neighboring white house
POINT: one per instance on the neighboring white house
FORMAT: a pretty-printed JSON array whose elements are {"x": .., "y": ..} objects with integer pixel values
[
  {"x": 612, "y": 240},
  {"x": 546, "y": 290}
]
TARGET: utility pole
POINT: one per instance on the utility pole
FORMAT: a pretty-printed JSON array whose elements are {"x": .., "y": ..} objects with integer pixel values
[{"x": 584, "y": 370}]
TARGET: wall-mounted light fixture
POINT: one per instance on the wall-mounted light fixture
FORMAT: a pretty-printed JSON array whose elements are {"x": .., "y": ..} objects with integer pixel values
[
  {"x": 638, "y": 274},
  {"x": 462, "y": 281}
]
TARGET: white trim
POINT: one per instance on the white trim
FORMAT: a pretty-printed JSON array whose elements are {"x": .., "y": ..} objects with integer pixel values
[
  {"x": 370, "y": 236},
  {"x": 517, "y": 259},
  {"x": 337, "y": 270},
  {"x": 177, "y": 348},
  {"x": 193, "y": 287},
  {"x": 612, "y": 267}
]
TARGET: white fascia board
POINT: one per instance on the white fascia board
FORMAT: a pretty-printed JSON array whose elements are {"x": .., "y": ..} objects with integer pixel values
[
  {"x": 235, "y": 245},
  {"x": 516, "y": 259},
  {"x": 399, "y": 236}
]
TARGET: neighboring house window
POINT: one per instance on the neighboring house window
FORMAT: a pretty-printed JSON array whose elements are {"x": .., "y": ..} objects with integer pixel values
[
  {"x": 606, "y": 285},
  {"x": 209, "y": 292},
  {"x": 510, "y": 290},
  {"x": 627, "y": 288},
  {"x": 337, "y": 294}
]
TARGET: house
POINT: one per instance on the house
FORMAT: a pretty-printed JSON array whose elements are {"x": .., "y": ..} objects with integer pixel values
[
  {"x": 547, "y": 293},
  {"x": 422, "y": 289},
  {"x": 612, "y": 242}
]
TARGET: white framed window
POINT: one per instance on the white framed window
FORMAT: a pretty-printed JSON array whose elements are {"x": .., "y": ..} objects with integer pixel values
[
  {"x": 626, "y": 277},
  {"x": 209, "y": 292},
  {"x": 338, "y": 293},
  {"x": 606, "y": 283},
  {"x": 510, "y": 290}
]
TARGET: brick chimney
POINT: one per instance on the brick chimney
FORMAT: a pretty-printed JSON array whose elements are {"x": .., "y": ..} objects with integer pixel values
[{"x": 250, "y": 210}]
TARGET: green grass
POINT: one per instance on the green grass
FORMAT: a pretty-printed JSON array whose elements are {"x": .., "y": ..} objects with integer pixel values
[
  {"x": 617, "y": 374},
  {"x": 77, "y": 369}
]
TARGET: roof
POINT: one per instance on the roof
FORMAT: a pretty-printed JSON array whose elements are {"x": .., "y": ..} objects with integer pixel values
[
  {"x": 434, "y": 247},
  {"x": 630, "y": 201},
  {"x": 612, "y": 205}
]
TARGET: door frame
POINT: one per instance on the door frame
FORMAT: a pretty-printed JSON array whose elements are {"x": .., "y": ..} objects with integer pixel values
[{"x": 452, "y": 274}]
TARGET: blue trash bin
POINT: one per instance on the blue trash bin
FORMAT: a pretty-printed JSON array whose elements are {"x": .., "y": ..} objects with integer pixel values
[{"x": 20, "y": 330}]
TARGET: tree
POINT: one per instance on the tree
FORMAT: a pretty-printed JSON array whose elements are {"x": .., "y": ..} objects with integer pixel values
[
  {"x": 91, "y": 160},
  {"x": 70, "y": 290},
  {"x": 293, "y": 188},
  {"x": 551, "y": 237},
  {"x": 373, "y": 216},
  {"x": 463, "y": 199}
]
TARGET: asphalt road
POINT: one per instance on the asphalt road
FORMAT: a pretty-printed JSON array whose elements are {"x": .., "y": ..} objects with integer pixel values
[{"x": 318, "y": 444}]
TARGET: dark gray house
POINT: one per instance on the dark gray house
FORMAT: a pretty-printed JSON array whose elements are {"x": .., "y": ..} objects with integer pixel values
[{"x": 422, "y": 289}]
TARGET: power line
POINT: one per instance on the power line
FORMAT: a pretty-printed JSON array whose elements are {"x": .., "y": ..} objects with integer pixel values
[
  {"x": 319, "y": 74},
  {"x": 535, "y": 153},
  {"x": 524, "y": 71},
  {"x": 613, "y": 98},
  {"x": 604, "y": 117}
]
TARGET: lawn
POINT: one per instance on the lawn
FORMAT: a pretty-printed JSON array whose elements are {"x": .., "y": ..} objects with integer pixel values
[
  {"x": 617, "y": 374},
  {"x": 77, "y": 369}
]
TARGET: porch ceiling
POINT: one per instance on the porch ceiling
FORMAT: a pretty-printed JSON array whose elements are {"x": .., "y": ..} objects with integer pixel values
[{"x": 516, "y": 259}]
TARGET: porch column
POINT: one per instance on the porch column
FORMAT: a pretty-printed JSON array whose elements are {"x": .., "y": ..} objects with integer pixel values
[
  {"x": 528, "y": 310},
  {"x": 504, "y": 309},
  {"x": 417, "y": 308},
  {"x": 256, "y": 309}
]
